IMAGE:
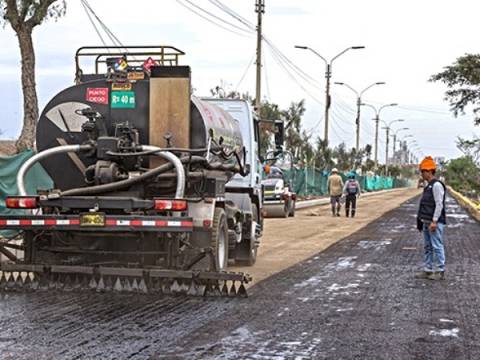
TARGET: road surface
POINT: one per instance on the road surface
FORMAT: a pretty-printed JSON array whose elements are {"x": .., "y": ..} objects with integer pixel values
[{"x": 355, "y": 300}]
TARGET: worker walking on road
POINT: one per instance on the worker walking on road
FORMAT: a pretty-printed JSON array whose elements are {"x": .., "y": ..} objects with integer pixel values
[
  {"x": 351, "y": 191},
  {"x": 335, "y": 189},
  {"x": 431, "y": 220}
]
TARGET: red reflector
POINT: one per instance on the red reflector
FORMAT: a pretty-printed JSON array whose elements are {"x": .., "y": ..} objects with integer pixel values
[
  {"x": 171, "y": 205},
  {"x": 207, "y": 223},
  {"x": 19, "y": 202}
]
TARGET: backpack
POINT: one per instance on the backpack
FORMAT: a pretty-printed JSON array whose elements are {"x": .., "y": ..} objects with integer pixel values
[{"x": 352, "y": 188}]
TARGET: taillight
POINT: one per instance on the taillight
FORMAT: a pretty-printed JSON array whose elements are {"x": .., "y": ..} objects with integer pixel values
[
  {"x": 21, "y": 202},
  {"x": 171, "y": 205}
]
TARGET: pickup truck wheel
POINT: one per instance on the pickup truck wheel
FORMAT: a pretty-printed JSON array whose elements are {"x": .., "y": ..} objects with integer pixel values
[
  {"x": 219, "y": 239},
  {"x": 292, "y": 208}
]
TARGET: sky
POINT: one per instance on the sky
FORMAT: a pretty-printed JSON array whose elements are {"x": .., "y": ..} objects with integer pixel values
[{"x": 405, "y": 43}]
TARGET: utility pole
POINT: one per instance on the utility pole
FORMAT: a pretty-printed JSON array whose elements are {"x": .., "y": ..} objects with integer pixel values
[
  {"x": 328, "y": 75},
  {"x": 260, "y": 10}
]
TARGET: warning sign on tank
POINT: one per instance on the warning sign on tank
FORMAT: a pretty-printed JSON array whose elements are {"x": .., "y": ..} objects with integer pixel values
[
  {"x": 122, "y": 100},
  {"x": 97, "y": 95}
]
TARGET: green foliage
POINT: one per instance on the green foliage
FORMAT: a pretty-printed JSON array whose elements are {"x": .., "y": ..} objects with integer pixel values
[
  {"x": 463, "y": 82},
  {"x": 463, "y": 175},
  {"x": 470, "y": 148},
  {"x": 29, "y": 13}
]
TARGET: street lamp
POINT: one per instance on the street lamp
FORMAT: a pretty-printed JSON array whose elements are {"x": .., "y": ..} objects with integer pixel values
[
  {"x": 377, "y": 120},
  {"x": 388, "y": 127},
  {"x": 395, "y": 141},
  {"x": 328, "y": 75},
  {"x": 359, "y": 102}
]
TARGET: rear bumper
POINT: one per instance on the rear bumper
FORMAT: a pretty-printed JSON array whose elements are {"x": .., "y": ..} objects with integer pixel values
[{"x": 113, "y": 223}]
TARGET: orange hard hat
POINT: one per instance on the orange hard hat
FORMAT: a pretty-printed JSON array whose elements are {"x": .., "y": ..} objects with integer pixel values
[{"x": 428, "y": 164}]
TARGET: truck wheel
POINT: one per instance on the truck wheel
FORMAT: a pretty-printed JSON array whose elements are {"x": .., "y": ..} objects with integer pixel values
[
  {"x": 251, "y": 245},
  {"x": 292, "y": 209},
  {"x": 219, "y": 239},
  {"x": 286, "y": 209}
]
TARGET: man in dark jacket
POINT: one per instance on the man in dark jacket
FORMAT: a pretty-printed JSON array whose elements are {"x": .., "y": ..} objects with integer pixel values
[{"x": 431, "y": 221}]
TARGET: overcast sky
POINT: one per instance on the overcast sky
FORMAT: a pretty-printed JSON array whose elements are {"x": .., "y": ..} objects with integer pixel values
[{"x": 406, "y": 42}]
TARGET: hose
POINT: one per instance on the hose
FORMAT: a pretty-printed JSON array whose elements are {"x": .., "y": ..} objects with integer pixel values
[
  {"x": 129, "y": 182},
  {"x": 40, "y": 156},
  {"x": 180, "y": 192}
]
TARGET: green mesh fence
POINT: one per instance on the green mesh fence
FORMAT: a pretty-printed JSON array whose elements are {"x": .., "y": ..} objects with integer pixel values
[{"x": 314, "y": 182}]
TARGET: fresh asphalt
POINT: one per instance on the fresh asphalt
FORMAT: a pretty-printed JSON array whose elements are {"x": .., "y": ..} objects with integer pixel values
[{"x": 356, "y": 300}]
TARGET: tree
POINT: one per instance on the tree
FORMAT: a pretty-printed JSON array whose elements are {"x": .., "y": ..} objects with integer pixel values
[
  {"x": 463, "y": 81},
  {"x": 470, "y": 148},
  {"x": 463, "y": 175},
  {"x": 23, "y": 16}
]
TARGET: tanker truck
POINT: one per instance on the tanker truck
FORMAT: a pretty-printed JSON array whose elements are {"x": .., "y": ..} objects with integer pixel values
[{"x": 155, "y": 190}]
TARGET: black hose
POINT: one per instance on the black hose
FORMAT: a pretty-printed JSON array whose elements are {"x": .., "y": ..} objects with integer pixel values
[
  {"x": 152, "y": 152},
  {"x": 128, "y": 182}
]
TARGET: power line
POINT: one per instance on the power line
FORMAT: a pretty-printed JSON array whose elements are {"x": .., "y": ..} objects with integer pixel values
[
  {"x": 218, "y": 17},
  {"x": 209, "y": 20},
  {"x": 266, "y": 77},
  {"x": 93, "y": 24},
  {"x": 245, "y": 72}
]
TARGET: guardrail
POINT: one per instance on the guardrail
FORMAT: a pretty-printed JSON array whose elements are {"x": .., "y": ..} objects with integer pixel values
[{"x": 472, "y": 208}]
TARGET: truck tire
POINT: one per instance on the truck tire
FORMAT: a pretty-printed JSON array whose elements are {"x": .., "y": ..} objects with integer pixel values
[
  {"x": 252, "y": 255},
  {"x": 219, "y": 239},
  {"x": 286, "y": 208},
  {"x": 292, "y": 208}
]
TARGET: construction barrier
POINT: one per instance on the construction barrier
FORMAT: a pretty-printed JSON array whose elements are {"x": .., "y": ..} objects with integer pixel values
[{"x": 314, "y": 182}]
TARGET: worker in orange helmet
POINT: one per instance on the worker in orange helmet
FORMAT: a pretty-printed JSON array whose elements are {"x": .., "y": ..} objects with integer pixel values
[{"x": 431, "y": 220}]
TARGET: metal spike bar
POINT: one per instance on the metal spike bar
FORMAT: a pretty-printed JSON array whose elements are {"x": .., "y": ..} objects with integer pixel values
[
  {"x": 242, "y": 291},
  {"x": 93, "y": 283},
  {"x": 10, "y": 281},
  {"x": 108, "y": 283},
  {"x": 166, "y": 287},
  {"x": 233, "y": 290},
  {"x": 208, "y": 289},
  {"x": 77, "y": 282},
  {"x": 60, "y": 284},
  {"x": 118, "y": 286},
  {"x": 100, "y": 285},
  {"x": 224, "y": 289},
  {"x": 184, "y": 286},
  {"x": 43, "y": 281},
  {"x": 3, "y": 280},
  {"x": 142, "y": 286},
  {"x": 175, "y": 288},
  {"x": 126, "y": 285},
  {"x": 135, "y": 285},
  {"x": 35, "y": 281},
  {"x": 193, "y": 289},
  {"x": 27, "y": 282},
  {"x": 67, "y": 281},
  {"x": 216, "y": 289}
]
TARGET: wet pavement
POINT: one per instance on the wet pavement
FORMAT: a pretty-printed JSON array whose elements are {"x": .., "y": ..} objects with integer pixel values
[{"x": 356, "y": 300}]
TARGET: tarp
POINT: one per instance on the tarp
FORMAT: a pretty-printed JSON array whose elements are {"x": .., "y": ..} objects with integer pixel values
[{"x": 36, "y": 179}]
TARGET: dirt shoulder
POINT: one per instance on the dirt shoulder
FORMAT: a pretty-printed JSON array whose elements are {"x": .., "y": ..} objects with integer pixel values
[{"x": 288, "y": 241}]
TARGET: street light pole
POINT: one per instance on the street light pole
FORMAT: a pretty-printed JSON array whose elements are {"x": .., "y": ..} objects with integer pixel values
[
  {"x": 395, "y": 141},
  {"x": 377, "y": 121},
  {"x": 359, "y": 103},
  {"x": 328, "y": 75},
  {"x": 388, "y": 126}
]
